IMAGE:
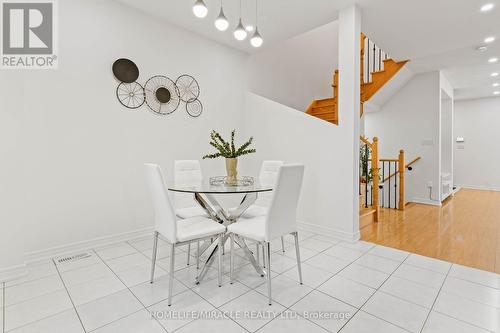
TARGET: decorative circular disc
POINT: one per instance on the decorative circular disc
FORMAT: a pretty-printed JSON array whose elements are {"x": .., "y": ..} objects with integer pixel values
[
  {"x": 194, "y": 108},
  {"x": 130, "y": 95},
  {"x": 125, "y": 70},
  {"x": 162, "y": 96},
  {"x": 189, "y": 90}
]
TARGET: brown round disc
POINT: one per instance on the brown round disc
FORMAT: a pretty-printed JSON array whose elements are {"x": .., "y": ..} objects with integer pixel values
[
  {"x": 162, "y": 95},
  {"x": 125, "y": 70}
]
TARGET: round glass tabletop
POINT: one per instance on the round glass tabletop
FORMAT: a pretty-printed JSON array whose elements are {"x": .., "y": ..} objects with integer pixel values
[{"x": 206, "y": 187}]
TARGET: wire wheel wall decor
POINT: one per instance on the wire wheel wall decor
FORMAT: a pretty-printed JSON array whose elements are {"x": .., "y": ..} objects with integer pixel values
[
  {"x": 194, "y": 108},
  {"x": 130, "y": 95},
  {"x": 162, "y": 95},
  {"x": 189, "y": 90}
]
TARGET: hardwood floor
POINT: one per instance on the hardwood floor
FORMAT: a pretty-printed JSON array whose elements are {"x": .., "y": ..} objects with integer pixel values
[{"x": 465, "y": 230}]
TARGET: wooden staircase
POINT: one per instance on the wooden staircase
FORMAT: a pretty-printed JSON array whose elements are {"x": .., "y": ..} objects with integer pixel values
[{"x": 372, "y": 78}]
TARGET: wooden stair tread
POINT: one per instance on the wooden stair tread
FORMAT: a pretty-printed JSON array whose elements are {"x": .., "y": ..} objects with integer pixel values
[{"x": 365, "y": 211}]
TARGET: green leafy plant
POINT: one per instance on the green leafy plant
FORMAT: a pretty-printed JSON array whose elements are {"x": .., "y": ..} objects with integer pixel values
[
  {"x": 227, "y": 149},
  {"x": 366, "y": 175}
]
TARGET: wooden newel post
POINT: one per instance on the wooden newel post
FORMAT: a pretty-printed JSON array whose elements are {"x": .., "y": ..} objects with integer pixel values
[
  {"x": 375, "y": 174},
  {"x": 401, "y": 205}
]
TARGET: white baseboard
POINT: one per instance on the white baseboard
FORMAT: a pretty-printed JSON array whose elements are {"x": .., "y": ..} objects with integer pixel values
[
  {"x": 425, "y": 201},
  {"x": 13, "y": 272},
  {"x": 483, "y": 188},
  {"x": 318, "y": 229},
  {"x": 37, "y": 256}
]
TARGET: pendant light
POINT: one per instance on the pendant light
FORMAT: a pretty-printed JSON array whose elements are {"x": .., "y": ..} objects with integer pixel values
[
  {"x": 256, "y": 40},
  {"x": 240, "y": 33},
  {"x": 200, "y": 10},
  {"x": 221, "y": 22}
]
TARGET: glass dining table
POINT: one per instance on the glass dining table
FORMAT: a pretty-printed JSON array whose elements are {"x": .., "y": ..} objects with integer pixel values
[{"x": 207, "y": 194}]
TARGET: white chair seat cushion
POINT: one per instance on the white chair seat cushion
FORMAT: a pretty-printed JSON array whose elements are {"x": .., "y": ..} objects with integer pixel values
[
  {"x": 197, "y": 227},
  {"x": 253, "y": 228},
  {"x": 188, "y": 212}
]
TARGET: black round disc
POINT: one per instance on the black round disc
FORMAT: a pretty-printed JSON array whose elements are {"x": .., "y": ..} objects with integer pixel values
[
  {"x": 125, "y": 70},
  {"x": 162, "y": 95}
]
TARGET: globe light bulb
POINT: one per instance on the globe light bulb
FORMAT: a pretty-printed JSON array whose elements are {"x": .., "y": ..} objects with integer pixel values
[
  {"x": 221, "y": 22},
  {"x": 200, "y": 9},
  {"x": 240, "y": 33},
  {"x": 256, "y": 39}
]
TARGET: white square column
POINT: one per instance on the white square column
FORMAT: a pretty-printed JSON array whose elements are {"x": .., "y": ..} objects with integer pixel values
[{"x": 349, "y": 108}]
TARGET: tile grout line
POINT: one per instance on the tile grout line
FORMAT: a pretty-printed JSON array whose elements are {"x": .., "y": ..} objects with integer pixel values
[{"x": 69, "y": 296}]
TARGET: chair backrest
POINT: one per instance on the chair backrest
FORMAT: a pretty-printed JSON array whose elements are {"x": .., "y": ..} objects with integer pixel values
[
  {"x": 186, "y": 172},
  {"x": 268, "y": 175},
  {"x": 282, "y": 215},
  {"x": 165, "y": 220}
]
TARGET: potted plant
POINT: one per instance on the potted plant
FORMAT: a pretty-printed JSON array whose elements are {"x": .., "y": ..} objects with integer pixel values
[{"x": 229, "y": 152}]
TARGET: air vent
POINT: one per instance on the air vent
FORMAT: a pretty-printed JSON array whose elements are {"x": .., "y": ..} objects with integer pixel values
[{"x": 73, "y": 258}]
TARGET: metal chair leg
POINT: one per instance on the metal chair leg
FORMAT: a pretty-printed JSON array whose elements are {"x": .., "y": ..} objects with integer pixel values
[
  {"x": 257, "y": 253},
  {"x": 189, "y": 254},
  {"x": 263, "y": 256},
  {"x": 231, "y": 259},
  {"x": 198, "y": 255},
  {"x": 221, "y": 246},
  {"x": 282, "y": 244},
  {"x": 153, "y": 258},
  {"x": 267, "y": 250},
  {"x": 297, "y": 254},
  {"x": 171, "y": 273}
]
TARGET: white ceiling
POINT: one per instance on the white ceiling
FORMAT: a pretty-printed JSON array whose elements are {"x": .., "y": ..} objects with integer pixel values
[{"x": 433, "y": 34}]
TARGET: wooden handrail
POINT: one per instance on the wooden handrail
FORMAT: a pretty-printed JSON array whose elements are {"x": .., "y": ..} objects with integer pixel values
[
  {"x": 406, "y": 167},
  {"x": 389, "y": 160},
  {"x": 365, "y": 140}
]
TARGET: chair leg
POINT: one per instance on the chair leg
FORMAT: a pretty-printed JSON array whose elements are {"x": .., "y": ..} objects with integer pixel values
[
  {"x": 153, "y": 258},
  {"x": 198, "y": 255},
  {"x": 297, "y": 254},
  {"x": 189, "y": 254},
  {"x": 231, "y": 258},
  {"x": 282, "y": 244},
  {"x": 257, "y": 253},
  {"x": 264, "y": 264},
  {"x": 267, "y": 251},
  {"x": 221, "y": 246},
  {"x": 171, "y": 273}
]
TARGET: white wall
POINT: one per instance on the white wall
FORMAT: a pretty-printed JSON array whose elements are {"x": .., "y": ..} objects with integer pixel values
[
  {"x": 73, "y": 158},
  {"x": 298, "y": 70},
  {"x": 410, "y": 121},
  {"x": 477, "y": 159},
  {"x": 285, "y": 134}
]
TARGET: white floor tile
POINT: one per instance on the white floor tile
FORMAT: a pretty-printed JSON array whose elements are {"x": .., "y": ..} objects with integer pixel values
[
  {"x": 152, "y": 293},
  {"x": 397, "y": 311},
  {"x": 477, "y": 314},
  {"x": 281, "y": 263},
  {"x": 344, "y": 253},
  {"x": 475, "y": 275},
  {"x": 325, "y": 238},
  {"x": 473, "y": 291},
  {"x": 115, "y": 251},
  {"x": 327, "y": 263},
  {"x": 363, "y": 322},
  {"x": 187, "y": 275},
  {"x": 129, "y": 261},
  {"x": 389, "y": 253},
  {"x": 290, "y": 321},
  {"x": 162, "y": 252},
  {"x": 139, "y": 274},
  {"x": 28, "y": 290},
  {"x": 311, "y": 276},
  {"x": 183, "y": 303},
  {"x": 410, "y": 291},
  {"x": 359, "y": 246},
  {"x": 284, "y": 290},
  {"x": 420, "y": 275},
  {"x": 144, "y": 244},
  {"x": 364, "y": 275},
  {"x": 35, "y": 309},
  {"x": 439, "y": 323},
  {"x": 378, "y": 263},
  {"x": 347, "y": 291},
  {"x": 248, "y": 276},
  {"x": 315, "y": 244},
  {"x": 317, "y": 301},
  {"x": 138, "y": 322},
  {"x": 252, "y": 302},
  {"x": 218, "y": 296},
  {"x": 305, "y": 253},
  {"x": 212, "y": 325},
  {"x": 91, "y": 290},
  {"x": 432, "y": 264},
  {"x": 86, "y": 274},
  {"x": 64, "y": 322},
  {"x": 108, "y": 309},
  {"x": 34, "y": 272},
  {"x": 92, "y": 259}
]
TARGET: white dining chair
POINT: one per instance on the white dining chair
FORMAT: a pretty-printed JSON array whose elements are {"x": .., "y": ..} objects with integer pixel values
[
  {"x": 177, "y": 232},
  {"x": 188, "y": 172},
  {"x": 279, "y": 221}
]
